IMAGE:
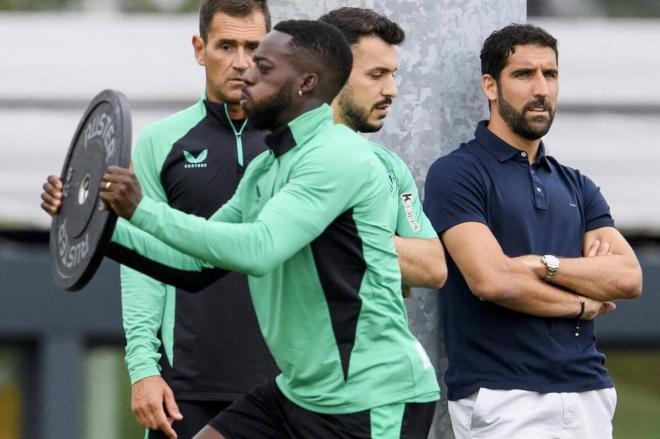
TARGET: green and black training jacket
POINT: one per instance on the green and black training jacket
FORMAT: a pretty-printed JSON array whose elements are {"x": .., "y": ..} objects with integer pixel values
[
  {"x": 207, "y": 345},
  {"x": 311, "y": 224}
]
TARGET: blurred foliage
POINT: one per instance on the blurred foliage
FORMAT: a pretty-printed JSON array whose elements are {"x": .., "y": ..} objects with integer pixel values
[
  {"x": 38, "y": 5},
  {"x": 632, "y": 8},
  {"x": 172, "y": 6},
  {"x": 10, "y": 393},
  {"x": 167, "y": 6},
  {"x": 594, "y": 8}
]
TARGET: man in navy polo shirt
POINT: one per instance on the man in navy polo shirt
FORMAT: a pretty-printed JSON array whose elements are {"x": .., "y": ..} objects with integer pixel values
[{"x": 533, "y": 258}]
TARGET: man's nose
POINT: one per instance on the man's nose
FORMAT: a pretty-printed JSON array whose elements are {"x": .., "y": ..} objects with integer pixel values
[
  {"x": 248, "y": 76},
  {"x": 390, "y": 89},
  {"x": 540, "y": 87},
  {"x": 242, "y": 60}
]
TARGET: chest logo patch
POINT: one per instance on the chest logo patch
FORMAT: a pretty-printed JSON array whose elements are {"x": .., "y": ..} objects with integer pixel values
[
  {"x": 407, "y": 200},
  {"x": 195, "y": 162}
]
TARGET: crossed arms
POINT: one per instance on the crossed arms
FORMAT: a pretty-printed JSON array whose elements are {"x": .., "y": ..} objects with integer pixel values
[{"x": 608, "y": 271}]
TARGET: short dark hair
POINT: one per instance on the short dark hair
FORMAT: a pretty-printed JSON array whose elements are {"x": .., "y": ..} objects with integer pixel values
[
  {"x": 324, "y": 45},
  {"x": 233, "y": 8},
  {"x": 500, "y": 45},
  {"x": 356, "y": 23}
]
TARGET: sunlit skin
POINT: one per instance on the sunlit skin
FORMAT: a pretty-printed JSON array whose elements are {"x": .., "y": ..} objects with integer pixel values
[
  {"x": 227, "y": 54},
  {"x": 529, "y": 77},
  {"x": 365, "y": 100}
]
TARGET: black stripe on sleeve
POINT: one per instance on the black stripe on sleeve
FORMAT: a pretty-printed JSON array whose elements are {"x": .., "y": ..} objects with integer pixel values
[{"x": 188, "y": 280}]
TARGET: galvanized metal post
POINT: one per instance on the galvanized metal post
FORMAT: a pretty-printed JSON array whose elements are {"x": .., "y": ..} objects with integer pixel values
[{"x": 437, "y": 108}]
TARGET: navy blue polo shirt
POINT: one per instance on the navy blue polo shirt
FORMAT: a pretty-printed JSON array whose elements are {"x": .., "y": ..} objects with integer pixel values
[{"x": 543, "y": 208}]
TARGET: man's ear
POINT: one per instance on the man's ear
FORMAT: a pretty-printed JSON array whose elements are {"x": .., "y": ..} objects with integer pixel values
[
  {"x": 309, "y": 82},
  {"x": 198, "y": 46},
  {"x": 489, "y": 87}
]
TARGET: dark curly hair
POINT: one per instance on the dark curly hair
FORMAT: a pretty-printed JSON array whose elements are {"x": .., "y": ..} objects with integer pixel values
[
  {"x": 501, "y": 44},
  {"x": 356, "y": 23}
]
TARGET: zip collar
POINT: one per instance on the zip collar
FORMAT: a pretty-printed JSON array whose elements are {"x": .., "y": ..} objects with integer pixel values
[
  {"x": 299, "y": 130},
  {"x": 220, "y": 113}
]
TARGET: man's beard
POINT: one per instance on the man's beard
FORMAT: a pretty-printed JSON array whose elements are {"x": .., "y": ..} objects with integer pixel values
[
  {"x": 354, "y": 116},
  {"x": 527, "y": 129},
  {"x": 264, "y": 114}
]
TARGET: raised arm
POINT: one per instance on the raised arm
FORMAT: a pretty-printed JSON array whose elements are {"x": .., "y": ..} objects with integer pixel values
[{"x": 321, "y": 189}]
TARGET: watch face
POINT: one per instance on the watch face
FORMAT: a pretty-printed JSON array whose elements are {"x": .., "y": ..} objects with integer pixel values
[{"x": 551, "y": 261}]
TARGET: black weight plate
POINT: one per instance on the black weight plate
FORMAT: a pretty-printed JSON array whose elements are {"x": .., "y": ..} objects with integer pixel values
[{"x": 81, "y": 231}]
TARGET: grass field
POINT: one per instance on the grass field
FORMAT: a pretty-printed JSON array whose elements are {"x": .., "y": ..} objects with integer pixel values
[
  {"x": 637, "y": 379},
  {"x": 635, "y": 373}
]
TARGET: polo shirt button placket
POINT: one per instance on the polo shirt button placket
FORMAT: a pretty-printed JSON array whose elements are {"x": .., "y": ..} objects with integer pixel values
[{"x": 539, "y": 196}]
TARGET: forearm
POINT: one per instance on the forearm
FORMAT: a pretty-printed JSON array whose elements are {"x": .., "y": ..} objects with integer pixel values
[
  {"x": 143, "y": 302},
  {"x": 194, "y": 278},
  {"x": 422, "y": 262},
  {"x": 601, "y": 278},
  {"x": 128, "y": 238},
  {"x": 246, "y": 248},
  {"x": 518, "y": 288}
]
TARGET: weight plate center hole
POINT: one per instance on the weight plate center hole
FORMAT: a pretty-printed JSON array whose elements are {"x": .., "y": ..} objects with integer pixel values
[{"x": 83, "y": 193}]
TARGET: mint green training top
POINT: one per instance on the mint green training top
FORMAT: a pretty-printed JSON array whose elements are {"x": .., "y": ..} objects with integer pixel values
[
  {"x": 407, "y": 217},
  {"x": 310, "y": 224}
]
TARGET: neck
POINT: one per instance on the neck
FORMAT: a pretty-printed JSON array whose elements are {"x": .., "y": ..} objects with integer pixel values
[
  {"x": 501, "y": 129},
  {"x": 235, "y": 110},
  {"x": 336, "y": 112}
]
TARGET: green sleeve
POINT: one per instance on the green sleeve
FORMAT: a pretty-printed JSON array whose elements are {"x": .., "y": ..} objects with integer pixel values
[
  {"x": 149, "y": 247},
  {"x": 143, "y": 298},
  {"x": 411, "y": 222},
  {"x": 319, "y": 190}
]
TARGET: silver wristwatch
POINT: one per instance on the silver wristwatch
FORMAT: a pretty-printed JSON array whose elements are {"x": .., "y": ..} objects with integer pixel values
[{"x": 551, "y": 263}]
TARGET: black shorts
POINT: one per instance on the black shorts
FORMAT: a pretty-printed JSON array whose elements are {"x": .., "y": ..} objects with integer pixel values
[
  {"x": 196, "y": 414},
  {"x": 265, "y": 413}
]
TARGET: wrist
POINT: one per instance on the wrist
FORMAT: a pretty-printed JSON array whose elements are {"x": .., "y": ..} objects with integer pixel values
[
  {"x": 582, "y": 306},
  {"x": 551, "y": 265}
]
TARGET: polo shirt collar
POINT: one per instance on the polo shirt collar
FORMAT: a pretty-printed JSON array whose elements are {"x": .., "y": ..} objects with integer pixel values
[
  {"x": 501, "y": 150},
  {"x": 299, "y": 130}
]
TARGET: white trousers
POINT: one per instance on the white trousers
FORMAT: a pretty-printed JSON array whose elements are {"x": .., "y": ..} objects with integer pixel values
[{"x": 519, "y": 414}]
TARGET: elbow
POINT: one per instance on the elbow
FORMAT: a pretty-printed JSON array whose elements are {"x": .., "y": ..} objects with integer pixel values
[
  {"x": 495, "y": 285},
  {"x": 491, "y": 290},
  {"x": 436, "y": 265},
  {"x": 630, "y": 285},
  {"x": 438, "y": 275},
  {"x": 259, "y": 269}
]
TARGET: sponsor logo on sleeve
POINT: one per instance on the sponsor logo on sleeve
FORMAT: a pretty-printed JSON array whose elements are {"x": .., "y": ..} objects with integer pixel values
[{"x": 407, "y": 200}]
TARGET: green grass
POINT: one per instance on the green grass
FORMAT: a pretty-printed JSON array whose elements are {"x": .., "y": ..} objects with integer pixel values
[{"x": 637, "y": 379}]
